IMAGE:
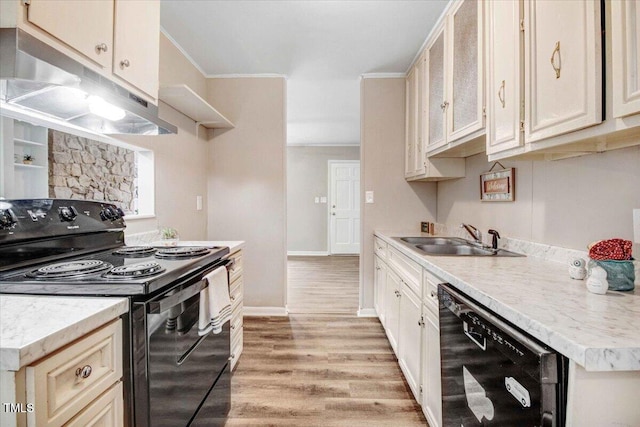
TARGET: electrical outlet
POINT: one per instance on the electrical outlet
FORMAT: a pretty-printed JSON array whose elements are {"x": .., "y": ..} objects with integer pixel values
[
  {"x": 424, "y": 227},
  {"x": 317, "y": 199},
  {"x": 636, "y": 225}
]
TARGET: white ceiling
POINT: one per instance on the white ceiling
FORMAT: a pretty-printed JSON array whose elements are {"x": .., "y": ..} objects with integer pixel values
[{"x": 322, "y": 47}]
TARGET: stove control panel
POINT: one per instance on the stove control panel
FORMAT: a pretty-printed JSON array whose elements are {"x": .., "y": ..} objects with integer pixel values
[{"x": 45, "y": 218}]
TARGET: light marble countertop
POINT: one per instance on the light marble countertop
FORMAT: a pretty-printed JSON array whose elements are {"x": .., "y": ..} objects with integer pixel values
[
  {"x": 32, "y": 326},
  {"x": 599, "y": 332}
]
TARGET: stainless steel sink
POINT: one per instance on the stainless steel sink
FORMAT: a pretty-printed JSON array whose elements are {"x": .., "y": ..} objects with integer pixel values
[
  {"x": 434, "y": 241},
  {"x": 453, "y": 246}
]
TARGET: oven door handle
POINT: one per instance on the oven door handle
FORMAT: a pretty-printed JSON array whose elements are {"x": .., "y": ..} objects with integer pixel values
[{"x": 175, "y": 299}]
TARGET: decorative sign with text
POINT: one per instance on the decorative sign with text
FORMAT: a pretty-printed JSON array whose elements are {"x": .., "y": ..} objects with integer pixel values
[{"x": 498, "y": 185}]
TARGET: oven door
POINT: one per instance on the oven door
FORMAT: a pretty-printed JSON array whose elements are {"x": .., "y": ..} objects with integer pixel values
[
  {"x": 181, "y": 366},
  {"x": 492, "y": 374}
]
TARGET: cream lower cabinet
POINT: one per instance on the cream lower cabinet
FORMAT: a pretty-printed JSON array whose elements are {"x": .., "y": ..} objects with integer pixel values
[
  {"x": 380, "y": 280},
  {"x": 392, "y": 297},
  {"x": 409, "y": 351},
  {"x": 77, "y": 385},
  {"x": 431, "y": 381},
  {"x": 408, "y": 309},
  {"x": 236, "y": 294}
]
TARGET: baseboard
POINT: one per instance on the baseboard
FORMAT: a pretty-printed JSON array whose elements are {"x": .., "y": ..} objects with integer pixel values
[
  {"x": 367, "y": 312},
  {"x": 307, "y": 253},
  {"x": 264, "y": 311}
]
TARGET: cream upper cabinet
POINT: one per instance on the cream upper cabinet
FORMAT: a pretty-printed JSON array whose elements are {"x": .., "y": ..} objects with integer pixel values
[
  {"x": 411, "y": 123},
  {"x": 455, "y": 82},
  {"x": 86, "y": 26},
  {"x": 465, "y": 71},
  {"x": 118, "y": 39},
  {"x": 137, "y": 43},
  {"x": 625, "y": 18},
  {"x": 437, "y": 103},
  {"x": 419, "y": 126},
  {"x": 563, "y": 67},
  {"x": 504, "y": 88}
]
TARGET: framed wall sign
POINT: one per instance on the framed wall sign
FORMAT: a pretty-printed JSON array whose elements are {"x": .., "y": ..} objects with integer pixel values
[{"x": 498, "y": 185}]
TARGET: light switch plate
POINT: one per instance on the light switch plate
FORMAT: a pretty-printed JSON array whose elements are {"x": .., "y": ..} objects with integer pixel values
[
  {"x": 636, "y": 225},
  {"x": 368, "y": 197},
  {"x": 323, "y": 199},
  {"x": 198, "y": 203},
  {"x": 317, "y": 200}
]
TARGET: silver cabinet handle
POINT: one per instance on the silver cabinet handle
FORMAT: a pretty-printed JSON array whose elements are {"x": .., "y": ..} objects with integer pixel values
[
  {"x": 233, "y": 327},
  {"x": 124, "y": 63},
  {"x": 557, "y": 67},
  {"x": 444, "y": 105},
  {"x": 433, "y": 294},
  {"x": 501, "y": 94},
  {"x": 232, "y": 298},
  {"x": 101, "y": 47},
  {"x": 84, "y": 372},
  {"x": 233, "y": 356}
]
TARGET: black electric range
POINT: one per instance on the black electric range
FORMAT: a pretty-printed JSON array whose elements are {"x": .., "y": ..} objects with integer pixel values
[{"x": 76, "y": 247}]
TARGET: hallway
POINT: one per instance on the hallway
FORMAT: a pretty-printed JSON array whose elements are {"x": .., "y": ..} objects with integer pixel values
[{"x": 323, "y": 285}]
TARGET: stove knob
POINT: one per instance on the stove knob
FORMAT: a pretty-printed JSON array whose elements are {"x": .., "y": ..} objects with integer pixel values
[
  {"x": 109, "y": 213},
  {"x": 8, "y": 219},
  {"x": 67, "y": 214},
  {"x": 120, "y": 212}
]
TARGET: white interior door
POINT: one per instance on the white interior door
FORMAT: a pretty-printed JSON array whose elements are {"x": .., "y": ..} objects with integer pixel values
[{"x": 344, "y": 207}]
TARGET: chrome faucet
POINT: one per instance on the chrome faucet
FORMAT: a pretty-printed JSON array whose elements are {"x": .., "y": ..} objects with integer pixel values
[{"x": 474, "y": 232}]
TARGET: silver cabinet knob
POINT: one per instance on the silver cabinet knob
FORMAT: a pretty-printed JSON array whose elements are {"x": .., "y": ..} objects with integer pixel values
[
  {"x": 101, "y": 47},
  {"x": 124, "y": 63},
  {"x": 84, "y": 372},
  {"x": 232, "y": 298},
  {"x": 433, "y": 294}
]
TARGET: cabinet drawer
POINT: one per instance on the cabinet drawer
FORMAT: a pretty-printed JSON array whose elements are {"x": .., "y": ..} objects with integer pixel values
[
  {"x": 380, "y": 247},
  {"x": 409, "y": 271},
  {"x": 236, "y": 349},
  {"x": 236, "y": 271},
  {"x": 105, "y": 411},
  {"x": 235, "y": 293},
  {"x": 430, "y": 286},
  {"x": 65, "y": 382},
  {"x": 236, "y": 322}
]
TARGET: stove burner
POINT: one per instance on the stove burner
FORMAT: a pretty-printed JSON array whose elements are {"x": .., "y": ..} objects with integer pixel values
[
  {"x": 78, "y": 268},
  {"x": 135, "y": 251},
  {"x": 182, "y": 252},
  {"x": 134, "y": 271}
]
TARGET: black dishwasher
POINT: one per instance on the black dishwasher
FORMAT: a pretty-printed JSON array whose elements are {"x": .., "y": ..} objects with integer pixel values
[{"x": 494, "y": 374}]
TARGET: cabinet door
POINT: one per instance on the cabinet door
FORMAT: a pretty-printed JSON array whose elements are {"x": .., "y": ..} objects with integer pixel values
[
  {"x": 411, "y": 123},
  {"x": 421, "y": 119},
  {"x": 410, "y": 339},
  {"x": 392, "y": 309},
  {"x": 563, "y": 76},
  {"x": 137, "y": 43},
  {"x": 504, "y": 86},
  {"x": 625, "y": 53},
  {"x": 436, "y": 91},
  {"x": 431, "y": 378},
  {"x": 465, "y": 71},
  {"x": 380, "y": 279},
  {"x": 86, "y": 26},
  {"x": 105, "y": 411}
]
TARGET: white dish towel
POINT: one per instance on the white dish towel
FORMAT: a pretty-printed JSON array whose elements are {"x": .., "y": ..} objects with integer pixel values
[{"x": 215, "y": 304}]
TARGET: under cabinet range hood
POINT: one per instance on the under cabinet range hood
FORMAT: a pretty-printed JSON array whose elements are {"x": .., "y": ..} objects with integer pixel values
[{"x": 36, "y": 77}]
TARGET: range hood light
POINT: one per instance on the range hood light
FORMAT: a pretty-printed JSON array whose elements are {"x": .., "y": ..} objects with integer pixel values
[{"x": 102, "y": 108}]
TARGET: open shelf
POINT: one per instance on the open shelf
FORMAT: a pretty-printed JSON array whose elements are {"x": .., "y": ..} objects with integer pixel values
[
  {"x": 27, "y": 142},
  {"x": 192, "y": 105},
  {"x": 22, "y": 165}
]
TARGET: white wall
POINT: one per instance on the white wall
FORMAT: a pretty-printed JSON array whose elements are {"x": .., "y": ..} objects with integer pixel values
[
  {"x": 247, "y": 181},
  {"x": 567, "y": 203},
  {"x": 180, "y": 160},
  {"x": 307, "y": 178},
  {"x": 399, "y": 205}
]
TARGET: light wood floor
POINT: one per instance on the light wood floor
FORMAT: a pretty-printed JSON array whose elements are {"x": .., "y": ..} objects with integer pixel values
[
  {"x": 319, "y": 371},
  {"x": 323, "y": 284}
]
